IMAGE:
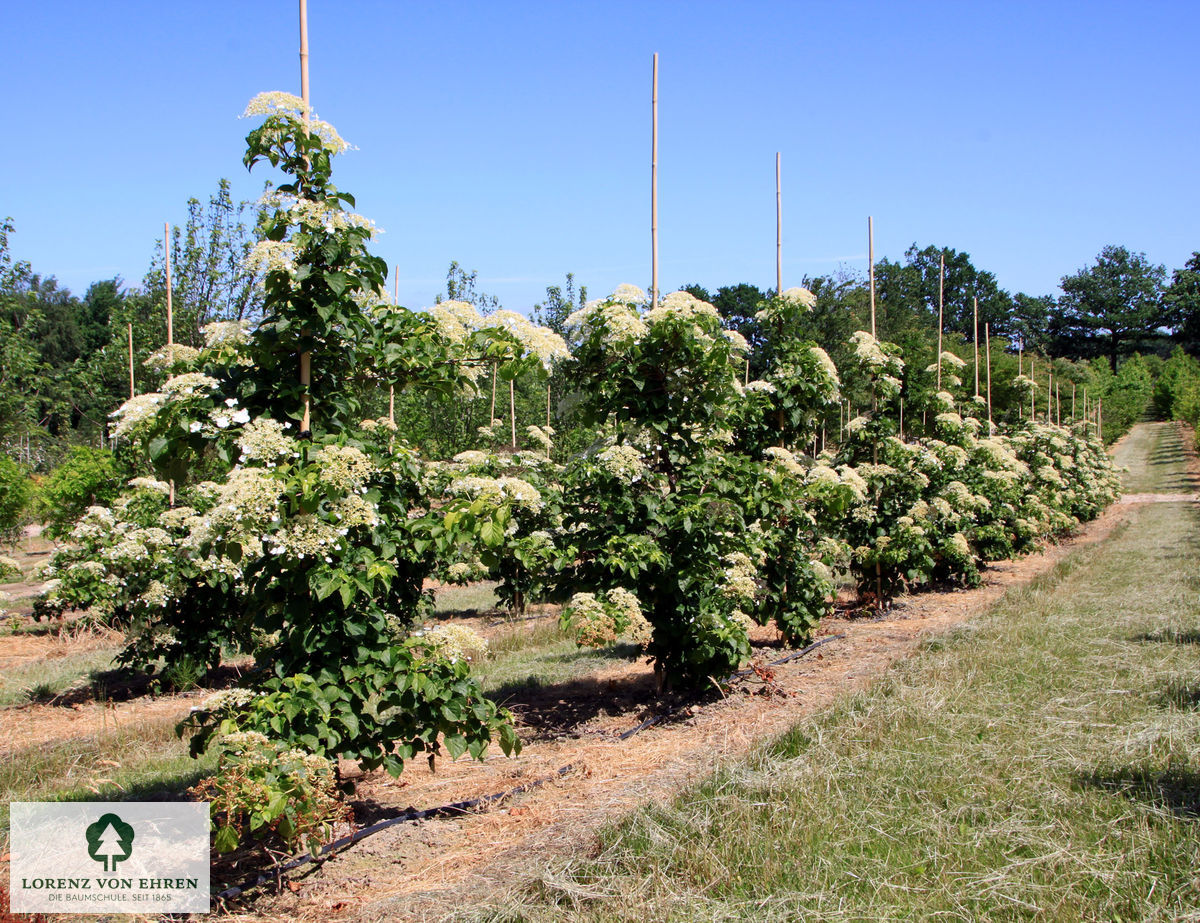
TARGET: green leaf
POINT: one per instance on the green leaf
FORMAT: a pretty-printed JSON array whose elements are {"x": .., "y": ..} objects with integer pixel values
[
  {"x": 492, "y": 533},
  {"x": 456, "y": 745},
  {"x": 226, "y": 840}
]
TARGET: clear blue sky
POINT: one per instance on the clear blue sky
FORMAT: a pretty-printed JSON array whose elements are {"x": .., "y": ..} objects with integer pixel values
[{"x": 515, "y": 137}]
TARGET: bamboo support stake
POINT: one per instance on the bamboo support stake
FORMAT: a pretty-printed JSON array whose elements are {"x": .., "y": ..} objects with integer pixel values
[
  {"x": 132, "y": 392},
  {"x": 170, "y": 313},
  {"x": 492, "y": 416},
  {"x": 987, "y": 355},
  {"x": 1049, "y": 394},
  {"x": 512, "y": 410},
  {"x": 305, "y": 356},
  {"x": 1058, "y": 403},
  {"x": 547, "y": 406},
  {"x": 871, "y": 267},
  {"x": 1032, "y": 393},
  {"x": 778, "y": 227},
  {"x": 392, "y": 387},
  {"x": 654, "y": 186},
  {"x": 941, "y": 299},
  {"x": 1020, "y": 351},
  {"x": 976, "y": 339}
]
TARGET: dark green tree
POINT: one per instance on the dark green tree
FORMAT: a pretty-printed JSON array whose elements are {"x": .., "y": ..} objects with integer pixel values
[
  {"x": 1031, "y": 316},
  {"x": 1112, "y": 309},
  {"x": 1183, "y": 304},
  {"x": 913, "y": 285}
]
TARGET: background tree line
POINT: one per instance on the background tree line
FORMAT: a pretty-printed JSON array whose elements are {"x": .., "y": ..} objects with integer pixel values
[{"x": 64, "y": 364}]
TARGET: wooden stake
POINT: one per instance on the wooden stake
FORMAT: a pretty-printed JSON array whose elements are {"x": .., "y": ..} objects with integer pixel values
[
  {"x": 654, "y": 186},
  {"x": 941, "y": 299},
  {"x": 547, "y": 405},
  {"x": 871, "y": 267},
  {"x": 305, "y": 356},
  {"x": 170, "y": 314},
  {"x": 976, "y": 339},
  {"x": 132, "y": 392},
  {"x": 778, "y": 228},
  {"x": 1058, "y": 403},
  {"x": 987, "y": 339}
]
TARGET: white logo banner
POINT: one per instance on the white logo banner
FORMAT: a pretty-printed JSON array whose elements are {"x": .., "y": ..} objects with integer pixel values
[{"x": 148, "y": 857}]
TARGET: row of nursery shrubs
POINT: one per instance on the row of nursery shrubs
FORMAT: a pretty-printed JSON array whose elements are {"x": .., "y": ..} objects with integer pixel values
[{"x": 693, "y": 516}]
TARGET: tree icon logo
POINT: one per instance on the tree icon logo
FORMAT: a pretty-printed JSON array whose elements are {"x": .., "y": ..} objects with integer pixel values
[{"x": 110, "y": 840}]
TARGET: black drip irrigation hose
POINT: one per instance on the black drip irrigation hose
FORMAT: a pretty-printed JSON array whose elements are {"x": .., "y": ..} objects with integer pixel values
[{"x": 462, "y": 807}]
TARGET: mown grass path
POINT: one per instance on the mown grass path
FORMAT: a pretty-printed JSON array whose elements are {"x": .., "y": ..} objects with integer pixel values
[{"x": 1041, "y": 764}]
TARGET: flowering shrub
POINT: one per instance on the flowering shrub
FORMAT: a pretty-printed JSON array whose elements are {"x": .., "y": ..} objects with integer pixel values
[
  {"x": 786, "y": 406},
  {"x": 270, "y": 791},
  {"x": 677, "y": 518},
  {"x": 519, "y": 497},
  {"x": 309, "y": 550}
]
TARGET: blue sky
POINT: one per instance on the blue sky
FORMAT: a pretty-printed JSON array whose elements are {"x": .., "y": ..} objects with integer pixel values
[{"x": 515, "y": 137}]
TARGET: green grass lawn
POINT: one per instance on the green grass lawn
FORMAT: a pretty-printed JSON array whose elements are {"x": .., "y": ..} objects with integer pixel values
[{"x": 1041, "y": 764}]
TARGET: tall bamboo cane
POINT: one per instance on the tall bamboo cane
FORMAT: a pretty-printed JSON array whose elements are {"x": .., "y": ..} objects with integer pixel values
[
  {"x": 305, "y": 355},
  {"x": 654, "y": 185},
  {"x": 170, "y": 313},
  {"x": 941, "y": 299},
  {"x": 987, "y": 339},
  {"x": 976, "y": 344},
  {"x": 871, "y": 267},
  {"x": 778, "y": 227}
]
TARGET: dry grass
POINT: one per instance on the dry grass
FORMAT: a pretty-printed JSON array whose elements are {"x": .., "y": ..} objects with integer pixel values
[
  {"x": 1042, "y": 764},
  {"x": 145, "y": 762}
]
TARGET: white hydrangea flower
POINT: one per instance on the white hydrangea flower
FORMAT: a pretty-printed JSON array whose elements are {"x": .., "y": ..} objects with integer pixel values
[
  {"x": 623, "y": 461},
  {"x": 800, "y": 296},
  {"x": 224, "y": 333},
  {"x": 785, "y": 460},
  {"x": 826, "y": 364},
  {"x": 134, "y": 412}
]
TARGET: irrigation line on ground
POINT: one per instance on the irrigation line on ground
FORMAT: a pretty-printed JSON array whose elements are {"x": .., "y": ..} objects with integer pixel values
[{"x": 462, "y": 807}]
